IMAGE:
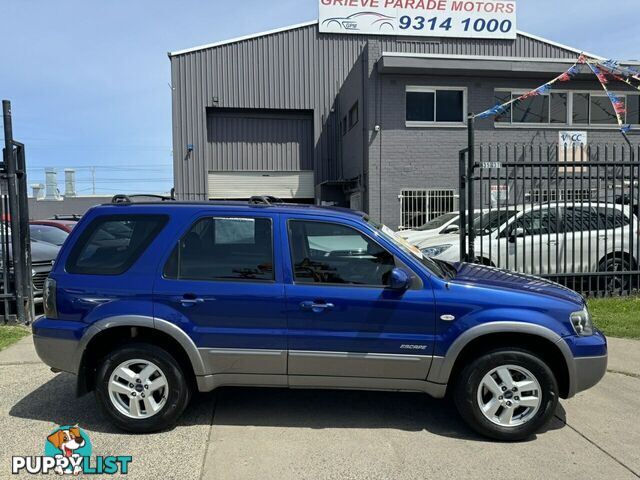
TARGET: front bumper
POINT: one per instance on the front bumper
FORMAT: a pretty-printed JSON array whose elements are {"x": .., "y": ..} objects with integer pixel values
[
  {"x": 590, "y": 359},
  {"x": 589, "y": 371}
]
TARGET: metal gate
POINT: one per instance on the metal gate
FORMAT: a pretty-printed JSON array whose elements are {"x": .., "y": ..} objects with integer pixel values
[
  {"x": 16, "y": 296},
  {"x": 570, "y": 216}
]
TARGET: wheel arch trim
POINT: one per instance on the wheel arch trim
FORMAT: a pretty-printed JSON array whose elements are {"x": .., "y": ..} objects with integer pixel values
[
  {"x": 442, "y": 367},
  {"x": 168, "y": 328}
]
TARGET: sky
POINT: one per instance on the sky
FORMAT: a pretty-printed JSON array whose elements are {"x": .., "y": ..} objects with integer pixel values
[{"x": 89, "y": 80}]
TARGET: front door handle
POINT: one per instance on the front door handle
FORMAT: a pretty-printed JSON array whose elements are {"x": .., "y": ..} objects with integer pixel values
[{"x": 316, "y": 307}]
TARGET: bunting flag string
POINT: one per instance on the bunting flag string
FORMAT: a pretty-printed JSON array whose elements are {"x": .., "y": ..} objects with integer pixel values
[
  {"x": 621, "y": 78},
  {"x": 604, "y": 71},
  {"x": 614, "y": 66},
  {"x": 541, "y": 90},
  {"x": 617, "y": 103}
]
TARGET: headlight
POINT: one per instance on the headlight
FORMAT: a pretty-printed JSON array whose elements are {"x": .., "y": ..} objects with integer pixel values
[
  {"x": 435, "y": 251},
  {"x": 582, "y": 323}
]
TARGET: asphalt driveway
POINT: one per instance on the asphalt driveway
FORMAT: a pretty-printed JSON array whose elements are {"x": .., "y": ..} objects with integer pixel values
[{"x": 237, "y": 433}]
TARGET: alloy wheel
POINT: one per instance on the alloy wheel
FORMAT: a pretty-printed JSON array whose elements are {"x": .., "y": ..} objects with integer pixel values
[
  {"x": 138, "y": 388},
  {"x": 509, "y": 396}
]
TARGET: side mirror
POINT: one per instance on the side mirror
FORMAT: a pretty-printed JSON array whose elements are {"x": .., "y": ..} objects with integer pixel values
[
  {"x": 451, "y": 229},
  {"x": 399, "y": 280},
  {"x": 516, "y": 233}
]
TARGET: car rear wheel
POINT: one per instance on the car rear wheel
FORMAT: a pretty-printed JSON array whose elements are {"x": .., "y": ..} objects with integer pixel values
[
  {"x": 141, "y": 388},
  {"x": 506, "y": 394}
]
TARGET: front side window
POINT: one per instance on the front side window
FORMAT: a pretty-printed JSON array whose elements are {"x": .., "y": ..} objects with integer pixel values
[
  {"x": 329, "y": 253},
  {"x": 438, "y": 222},
  {"x": 434, "y": 105},
  {"x": 110, "y": 245},
  {"x": 538, "y": 222},
  {"x": 486, "y": 223},
  {"x": 224, "y": 248}
]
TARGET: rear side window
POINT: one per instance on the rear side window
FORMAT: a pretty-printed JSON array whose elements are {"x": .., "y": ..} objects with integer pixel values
[
  {"x": 110, "y": 245},
  {"x": 611, "y": 218},
  {"x": 224, "y": 248}
]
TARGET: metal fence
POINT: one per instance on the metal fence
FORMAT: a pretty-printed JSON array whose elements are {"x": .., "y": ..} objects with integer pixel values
[
  {"x": 16, "y": 295},
  {"x": 568, "y": 215},
  {"x": 420, "y": 205}
]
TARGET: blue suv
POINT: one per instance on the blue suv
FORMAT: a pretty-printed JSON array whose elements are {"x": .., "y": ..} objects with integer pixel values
[{"x": 149, "y": 303}]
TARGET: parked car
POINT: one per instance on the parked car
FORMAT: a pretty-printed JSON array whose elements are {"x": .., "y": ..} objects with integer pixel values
[
  {"x": 551, "y": 239},
  {"x": 446, "y": 224},
  {"x": 48, "y": 234},
  {"x": 64, "y": 225},
  {"x": 43, "y": 256},
  {"x": 196, "y": 296}
]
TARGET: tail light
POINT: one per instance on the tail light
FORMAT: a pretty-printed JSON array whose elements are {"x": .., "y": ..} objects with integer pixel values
[{"x": 49, "y": 299}]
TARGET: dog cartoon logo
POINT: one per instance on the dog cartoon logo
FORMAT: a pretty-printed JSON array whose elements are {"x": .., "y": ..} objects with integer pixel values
[{"x": 70, "y": 443}]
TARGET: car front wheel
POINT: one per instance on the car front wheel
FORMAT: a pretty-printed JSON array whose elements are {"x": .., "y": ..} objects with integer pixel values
[
  {"x": 141, "y": 388},
  {"x": 506, "y": 394}
]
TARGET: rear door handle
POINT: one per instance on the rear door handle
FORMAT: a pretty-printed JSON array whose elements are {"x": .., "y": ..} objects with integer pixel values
[
  {"x": 316, "y": 307},
  {"x": 189, "y": 300}
]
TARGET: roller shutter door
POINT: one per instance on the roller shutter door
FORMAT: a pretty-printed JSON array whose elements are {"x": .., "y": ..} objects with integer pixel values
[{"x": 241, "y": 185}]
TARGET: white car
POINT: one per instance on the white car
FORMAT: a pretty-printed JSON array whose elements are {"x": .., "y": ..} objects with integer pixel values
[
  {"x": 446, "y": 224},
  {"x": 551, "y": 239}
]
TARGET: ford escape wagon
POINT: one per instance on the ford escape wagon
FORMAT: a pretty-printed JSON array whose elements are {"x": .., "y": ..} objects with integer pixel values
[{"x": 149, "y": 303}]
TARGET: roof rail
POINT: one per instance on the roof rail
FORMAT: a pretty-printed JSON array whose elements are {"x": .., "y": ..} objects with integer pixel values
[
  {"x": 121, "y": 198},
  {"x": 264, "y": 200},
  {"x": 67, "y": 216}
]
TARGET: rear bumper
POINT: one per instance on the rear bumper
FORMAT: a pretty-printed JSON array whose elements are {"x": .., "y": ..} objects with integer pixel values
[
  {"x": 57, "y": 343},
  {"x": 58, "y": 353}
]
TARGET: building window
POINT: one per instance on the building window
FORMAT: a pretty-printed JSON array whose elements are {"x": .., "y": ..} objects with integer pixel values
[
  {"x": 602, "y": 112},
  {"x": 442, "y": 105},
  {"x": 343, "y": 126},
  {"x": 353, "y": 116},
  {"x": 565, "y": 108},
  {"x": 419, "y": 206},
  {"x": 580, "y": 108},
  {"x": 552, "y": 196}
]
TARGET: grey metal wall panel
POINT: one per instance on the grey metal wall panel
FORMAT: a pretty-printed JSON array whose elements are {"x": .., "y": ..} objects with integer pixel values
[
  {"x": 525, "y": 47},
  {"x": 245, "y": 141},
  {"x": 297, "y": 69}
]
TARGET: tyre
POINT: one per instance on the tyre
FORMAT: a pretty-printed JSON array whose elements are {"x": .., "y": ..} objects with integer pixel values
[
  {"x": 141, "y": 388},
  {"x": 615, "y": 283},
  {"x": 506, "y": 395}
]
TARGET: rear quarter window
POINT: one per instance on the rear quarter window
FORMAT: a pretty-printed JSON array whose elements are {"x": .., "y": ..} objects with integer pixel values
[{"x": 110, "y": 245}]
